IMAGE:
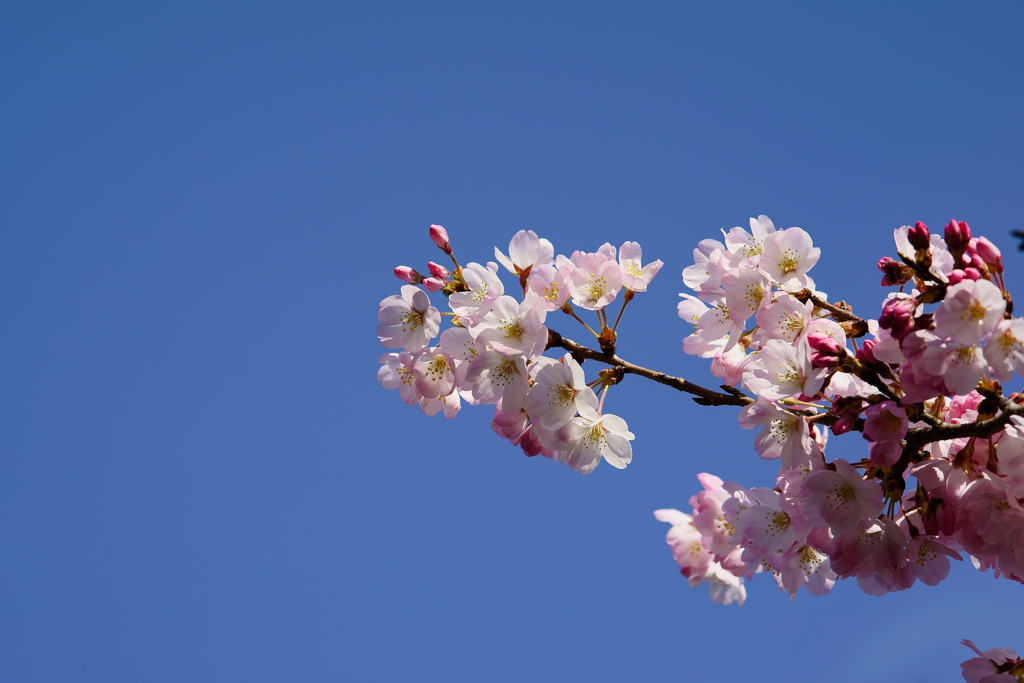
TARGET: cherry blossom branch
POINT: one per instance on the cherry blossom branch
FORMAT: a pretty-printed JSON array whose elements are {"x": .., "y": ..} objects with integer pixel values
[
  {"x": 944, "y": 431},
  {"x": 702, "y": 395}
]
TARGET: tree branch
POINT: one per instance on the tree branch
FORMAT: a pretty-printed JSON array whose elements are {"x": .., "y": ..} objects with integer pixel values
[
  {"x": 703, "y": 396},
  {"x": 944, "y": 431}
]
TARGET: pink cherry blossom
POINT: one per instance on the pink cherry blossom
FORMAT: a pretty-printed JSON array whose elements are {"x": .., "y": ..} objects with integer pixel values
[
  {"x": 595, "y": 281},
  {"x": 885, "y": 425},
  {"x": 839, "y": 500},
  {"x": 434, "y": 373},
  {"x": 550, "y": 282}
]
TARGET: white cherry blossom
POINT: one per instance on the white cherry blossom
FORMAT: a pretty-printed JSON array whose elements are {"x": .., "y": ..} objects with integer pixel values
[
  {"x": 743, "y": 245},
  {"x": 971, "y": 309},
  {"x": 783, "y": 434},
  {"x": 525, "y": 251},
  {"x": 786, "y": 369},
  {"x": 785, "y": 317},
  {"x": 514, "y": 328},
  {"x": 747, "y": 290},
  {"x": 559, "y": 392},
  {"x": 1004, "y": 350},
  {"x": 407, "y": 320},
  {"x": 492, "y": 376},
  {"x": 484, "y": 288},
  {"x": 587, "y": 441},
  {"x": 396, "y": 373},
  {"x": 636, "y": 276},
  {"x": 788, "y": 255},
  {"x": 710, "y": 263}
]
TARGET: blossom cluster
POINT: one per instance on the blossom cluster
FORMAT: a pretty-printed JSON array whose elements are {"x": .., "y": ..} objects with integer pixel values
[
  {"x": 944, "y": 472},
  {"x": 492, "y": 353}
]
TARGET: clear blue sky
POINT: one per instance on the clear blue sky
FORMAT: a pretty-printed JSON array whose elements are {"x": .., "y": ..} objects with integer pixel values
[{"x": 200, "y": 206}]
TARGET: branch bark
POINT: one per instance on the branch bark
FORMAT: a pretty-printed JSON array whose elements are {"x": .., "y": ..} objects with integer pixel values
[{"x": 702, "y": 395}]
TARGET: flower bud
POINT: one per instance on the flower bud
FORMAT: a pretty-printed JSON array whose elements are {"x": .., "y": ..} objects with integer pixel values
[
  {"x": 956, "y": 276},
  {"x": 972, "y": 274},
  {"x": 898, "y": 316},
  {"x": 433, "y": 284},
  {"x": 439, "y": 236},
  {"x": 895, "y": 273},
  {"x": 844, "y": 424},
  {"x": 408, "y": 275},
  {"x": 864, "y": 353},
  {"x": 826, "y": 351},
  {"x": 989, "y": 253},
  {"x": 957, "y": 235},
  {"x": 437, "y": 270},
  {"x": 918, "y": 236}
]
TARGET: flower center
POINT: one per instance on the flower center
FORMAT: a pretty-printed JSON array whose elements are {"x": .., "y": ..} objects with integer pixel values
[
  {"x": 596, "y": 287},
  {"x": 974, "y": 312},
  {"x": 411, "y": 320},
  {"x": 789, "y": 261}
]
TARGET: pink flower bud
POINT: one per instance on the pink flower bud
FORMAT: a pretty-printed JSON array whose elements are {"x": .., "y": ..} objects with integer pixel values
[
  {"x": 972, "y": 274},
  {"x": 433, "y": 284},
  {"x": 864, "y": 353},
  {"x": 825, "y": 344},
  {"x": 955, "y": 276},
  {"x": 895, "y": 273},
  {"x": 439, "y": 236},
  {"x": 844, "y": 424},
  {"x": 957, "y": 235},
  {"x": 898, "y": 316},
  {"x": 989, "y": 253},
  {"x": 408, "y": 275},
  {"x": 437, "y": 270},
  {"x": 918, "y": 236},
  {"x": 826, "y": 351}
]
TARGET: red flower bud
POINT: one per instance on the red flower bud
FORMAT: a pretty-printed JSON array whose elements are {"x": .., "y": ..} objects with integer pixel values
[
  {"x": 957, "y": 236},
  {"x": 918, "y": 236},
  {"x": 898, "y": 316}
]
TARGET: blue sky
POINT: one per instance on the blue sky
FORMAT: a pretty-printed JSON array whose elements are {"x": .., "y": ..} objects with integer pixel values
[{"x": 200, "y": 478}]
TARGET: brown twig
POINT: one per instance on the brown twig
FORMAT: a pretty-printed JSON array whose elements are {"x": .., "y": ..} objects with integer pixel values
[{"x": 703, "y": 396}]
